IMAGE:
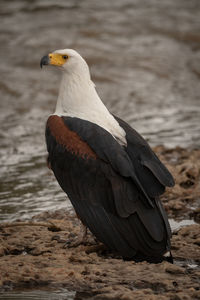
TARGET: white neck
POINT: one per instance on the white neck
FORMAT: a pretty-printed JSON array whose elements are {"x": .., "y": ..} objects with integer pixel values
[{"x": 78, "y": 98}]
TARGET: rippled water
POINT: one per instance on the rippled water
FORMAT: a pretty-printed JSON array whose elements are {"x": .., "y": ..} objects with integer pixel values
[
  {"x": 144, "y": 58},
  {"x": 62, "y": 294},
  {"x": 45, "y": 294}
]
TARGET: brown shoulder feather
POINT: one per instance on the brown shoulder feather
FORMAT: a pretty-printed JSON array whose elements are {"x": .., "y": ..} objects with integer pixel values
[{"x": 69, "y": 139}]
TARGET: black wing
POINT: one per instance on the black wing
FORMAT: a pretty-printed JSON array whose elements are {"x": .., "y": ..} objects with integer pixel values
[
  {"x": 108, "y": 193},
  {"x": 145, "y": 160}
]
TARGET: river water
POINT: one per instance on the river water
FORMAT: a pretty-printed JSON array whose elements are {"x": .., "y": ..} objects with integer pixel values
[{"x": 145, "y": 61}]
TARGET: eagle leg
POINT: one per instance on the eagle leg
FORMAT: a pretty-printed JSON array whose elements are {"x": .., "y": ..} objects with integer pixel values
[{"x": 79, "y": 240}]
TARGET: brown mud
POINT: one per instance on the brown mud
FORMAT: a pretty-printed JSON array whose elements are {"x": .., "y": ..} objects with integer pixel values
[
  {"x": 183, "y": 200},
  {"x": 34, "y": 256}
]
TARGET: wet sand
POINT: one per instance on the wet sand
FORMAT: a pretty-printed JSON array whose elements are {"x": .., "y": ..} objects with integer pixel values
[{"x": 34, "y": 256}]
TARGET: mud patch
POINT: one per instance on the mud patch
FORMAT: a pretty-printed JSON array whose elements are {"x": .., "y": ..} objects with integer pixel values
[
  {"x": 33, "y": 256},
  {"x": 182, "y": 201}
]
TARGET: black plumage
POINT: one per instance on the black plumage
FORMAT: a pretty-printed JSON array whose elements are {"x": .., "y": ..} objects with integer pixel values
[{"x": 114, "y": 189}]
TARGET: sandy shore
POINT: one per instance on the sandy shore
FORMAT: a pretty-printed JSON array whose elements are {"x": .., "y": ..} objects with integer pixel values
[{"x": 34, "y": 256}]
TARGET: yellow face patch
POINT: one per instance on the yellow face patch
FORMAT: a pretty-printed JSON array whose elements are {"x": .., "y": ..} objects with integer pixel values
[{"x": 57, "y": 59}]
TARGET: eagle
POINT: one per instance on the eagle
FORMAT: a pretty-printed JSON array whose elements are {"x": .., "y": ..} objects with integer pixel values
[{"x": 109, "y": 172}]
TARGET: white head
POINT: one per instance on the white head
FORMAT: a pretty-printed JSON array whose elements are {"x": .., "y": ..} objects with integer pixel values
[
  {"x": 68, "y": 60},
  {"x": 77, "y": 95}
]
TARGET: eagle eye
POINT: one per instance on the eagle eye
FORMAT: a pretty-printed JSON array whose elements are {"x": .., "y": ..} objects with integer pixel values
[{"x": 65, "y": 56}]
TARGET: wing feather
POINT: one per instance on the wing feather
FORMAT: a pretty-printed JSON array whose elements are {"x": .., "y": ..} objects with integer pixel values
[{"x": 139, "y": 151}]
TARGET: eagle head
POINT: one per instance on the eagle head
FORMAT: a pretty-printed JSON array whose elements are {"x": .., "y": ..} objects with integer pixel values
[{"x": 67, "y": 59}]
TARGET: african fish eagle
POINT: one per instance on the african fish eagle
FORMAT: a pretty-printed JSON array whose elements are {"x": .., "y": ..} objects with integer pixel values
[{"x": 110, "y": 174}]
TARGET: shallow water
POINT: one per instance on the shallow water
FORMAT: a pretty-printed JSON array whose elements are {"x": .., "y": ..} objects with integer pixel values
[
  {"x": 50, "y": 293},
  {"x": 61, "y": 294},
  {"x": 144, "y": 58}
]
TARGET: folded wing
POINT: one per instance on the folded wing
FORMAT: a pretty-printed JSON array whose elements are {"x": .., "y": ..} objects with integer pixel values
[{"x": 113, "y": 189}]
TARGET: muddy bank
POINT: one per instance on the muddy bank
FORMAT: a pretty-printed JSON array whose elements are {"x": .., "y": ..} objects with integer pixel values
[
  {"x": 35, "y": 256},
  {"x": 182, "y": 201}
]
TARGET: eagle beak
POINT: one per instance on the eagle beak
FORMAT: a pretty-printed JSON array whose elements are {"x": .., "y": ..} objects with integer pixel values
[{"x": 44, "y": 61}]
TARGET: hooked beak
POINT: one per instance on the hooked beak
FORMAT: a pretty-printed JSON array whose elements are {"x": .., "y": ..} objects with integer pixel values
[{"x": 44, "y": 61}]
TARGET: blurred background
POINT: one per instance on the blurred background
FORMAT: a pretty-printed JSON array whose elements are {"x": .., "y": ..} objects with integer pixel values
[{"x": 144, "y": 58}]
